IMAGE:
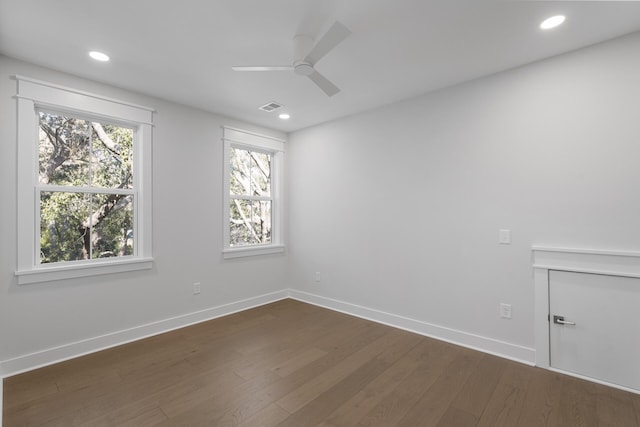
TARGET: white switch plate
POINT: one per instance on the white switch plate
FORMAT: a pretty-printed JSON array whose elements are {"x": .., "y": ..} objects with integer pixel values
[
  {"x": 317, "y": 277},
  {"x": 504, "y": 237},
  {"x": 196, "y": 288},
  {"x": 505, "y": 311}
]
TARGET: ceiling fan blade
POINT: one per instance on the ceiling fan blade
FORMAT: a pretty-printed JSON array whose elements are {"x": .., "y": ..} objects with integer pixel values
[
  {"x": 263, "y": 68},
  {"x": 331, "y": 39},
  {"x": 321, "y": 81}
]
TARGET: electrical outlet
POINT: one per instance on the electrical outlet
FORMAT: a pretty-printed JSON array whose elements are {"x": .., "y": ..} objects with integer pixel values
[
  {"x": 504, "y": 237},
  {"x": 505, "y": 311},
  {"x": 196, "y": 288},
  {"x": 317, "y": 277}
]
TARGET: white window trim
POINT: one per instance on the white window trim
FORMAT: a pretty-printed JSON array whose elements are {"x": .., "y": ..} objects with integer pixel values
[
  {"x": 233, "y": 137},
  {"x": 35, "y": 94}
]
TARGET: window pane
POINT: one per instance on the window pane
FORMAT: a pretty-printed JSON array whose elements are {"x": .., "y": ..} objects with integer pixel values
[
  {"x": 64, "y": 228},
  {"x": 250, "y": 222},
  {"x": 260, "y": 174},
  {"x": 81, "y": 153},
  {"x": 240, "y": 166},
  {"x": 77, "y": 226},
  {"x": 241, "y": 230},
  {"x": 262, "y": 221},
  {"x": 112, "y": 233},
  {"x": 64, "y": 150},
  {"x": 111, "y": 155}
]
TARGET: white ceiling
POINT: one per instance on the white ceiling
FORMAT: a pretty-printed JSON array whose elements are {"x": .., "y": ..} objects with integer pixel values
[{"x": 183, "y": 50}]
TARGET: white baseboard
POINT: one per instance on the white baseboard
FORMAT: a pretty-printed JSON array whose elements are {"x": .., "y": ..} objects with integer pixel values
[
  {"x": 50, "y": 356},
  {"x": 476, "y": 342},
  {"x": 69, "y": 351}
]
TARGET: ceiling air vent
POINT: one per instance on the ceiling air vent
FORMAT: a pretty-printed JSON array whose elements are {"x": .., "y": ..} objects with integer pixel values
[{"x": 271, "y": 106}]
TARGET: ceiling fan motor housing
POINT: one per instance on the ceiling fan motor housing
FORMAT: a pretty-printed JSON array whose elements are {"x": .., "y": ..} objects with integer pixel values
[{"x": 303, "y": 68}]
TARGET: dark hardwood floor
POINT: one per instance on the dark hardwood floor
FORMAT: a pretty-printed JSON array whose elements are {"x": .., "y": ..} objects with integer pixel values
[{"x": 294, "y": 364}]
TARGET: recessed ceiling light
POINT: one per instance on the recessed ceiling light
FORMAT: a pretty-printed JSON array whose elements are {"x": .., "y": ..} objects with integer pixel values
[
  {"x": 552, "y": 22},
  {"x": 284, "y": 116},
  {"x": 99, "y": 56}
]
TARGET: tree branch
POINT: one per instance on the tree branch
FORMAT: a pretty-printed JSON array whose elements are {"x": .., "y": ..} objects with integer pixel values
[
  {"x": 247, "y": 223},
  {"x": 60, "y": 151},
  {"x": 105, "y": 139}
]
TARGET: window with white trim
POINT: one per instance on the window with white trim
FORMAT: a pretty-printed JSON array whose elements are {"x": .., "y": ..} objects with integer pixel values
[
  {"x": 84, "y": 183},
  {"x": 252, "y": 193}
]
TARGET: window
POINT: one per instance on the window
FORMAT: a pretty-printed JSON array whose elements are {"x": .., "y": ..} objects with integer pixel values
[
  {"x": 84, "y": 184},
  {"x": 249, "y": 197},
  {"x": 85, "y": 189},
  {"x": 253, "y": 215}
]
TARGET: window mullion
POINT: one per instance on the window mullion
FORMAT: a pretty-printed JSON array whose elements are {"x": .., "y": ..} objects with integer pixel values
[
  {"x": 90, "y": 225},
  {"x": 90, "y": 178},
  {"x": 37, "y": 226},
  {"x": 90, "y": 190},
  {"x": 251, "y": 198}
]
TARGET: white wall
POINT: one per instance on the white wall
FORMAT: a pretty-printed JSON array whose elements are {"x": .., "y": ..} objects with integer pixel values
[
  {"x": 42, "y": 322},
  {"x": 399, "y": 208}
]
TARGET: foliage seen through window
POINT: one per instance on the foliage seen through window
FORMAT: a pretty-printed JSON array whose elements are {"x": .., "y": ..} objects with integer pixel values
[
  {"x": 86, "y": 189},
  {"x": 250, "y": 197}
]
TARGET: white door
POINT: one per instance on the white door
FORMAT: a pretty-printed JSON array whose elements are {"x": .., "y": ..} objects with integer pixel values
[{"x": 600, "y": 336}]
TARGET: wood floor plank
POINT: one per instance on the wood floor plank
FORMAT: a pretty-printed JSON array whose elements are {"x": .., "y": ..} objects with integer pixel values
[
  {"x": 349, "y": 340},
  {"x": 314, "y": 412},
  {"x": 286, "y": 326},
  {"x": 393, "y": 408},
  {"x": 133, "y": 415},
  {"x": 505, "y": 404},
  {"x": 458, "y": 418},
  {"x": 245, "y": 406},
  {"x": 311, "y": 389},
  {"x": 298, "y": 361},
  {"x": 295, "y": 364},
  {"x": 269, "y": 416},
  {"x": 150, "y": 388},
  {"x": 478, "y": 389},
  {"x": 577, "y": 406},
  {"x": 58, "y": 406},
  {"x": 614, "y": 407},
  {"x": 398, "y": 343},
  {"x": 542, "y": 399},
  {"x": 27, "y": 387},
  {"x": 354, "y": 409},
  {"x": 294, "y": 335},
  {"x": 253, "y": 395},
  {"x": 299, "y": 336},
  {"x": 215, "y": 404},
  {"x": 436, "y": 400}
]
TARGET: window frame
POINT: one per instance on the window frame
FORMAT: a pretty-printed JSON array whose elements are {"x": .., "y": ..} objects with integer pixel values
[
  {"x": 246, "y": 140},
  {"x": 34, "y": 96}
]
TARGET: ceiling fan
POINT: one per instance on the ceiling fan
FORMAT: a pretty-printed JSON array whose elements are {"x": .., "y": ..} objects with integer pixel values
[{"x": 306, "y": 55}]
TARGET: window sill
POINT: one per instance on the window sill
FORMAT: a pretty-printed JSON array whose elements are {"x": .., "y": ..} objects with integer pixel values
[
  {"x": 238, "y": 252},
  {"x": 75, "y": 270}
]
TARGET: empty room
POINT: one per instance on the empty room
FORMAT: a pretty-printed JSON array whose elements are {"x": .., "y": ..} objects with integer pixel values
[{"x": 319, "y": 213}]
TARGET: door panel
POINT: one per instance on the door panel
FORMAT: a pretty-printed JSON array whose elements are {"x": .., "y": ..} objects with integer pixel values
[{"x": 604, "y": 343}]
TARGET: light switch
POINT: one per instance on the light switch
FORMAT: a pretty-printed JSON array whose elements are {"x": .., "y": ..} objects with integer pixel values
[{"x": 504, "y": 237}]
